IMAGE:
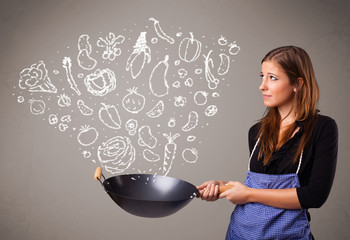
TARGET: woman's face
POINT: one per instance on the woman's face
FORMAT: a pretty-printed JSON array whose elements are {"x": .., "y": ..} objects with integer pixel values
[{"x": 275, "y": 86}]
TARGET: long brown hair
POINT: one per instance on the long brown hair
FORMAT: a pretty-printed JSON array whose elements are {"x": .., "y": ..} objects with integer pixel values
[{"x": 297, "y": 64}]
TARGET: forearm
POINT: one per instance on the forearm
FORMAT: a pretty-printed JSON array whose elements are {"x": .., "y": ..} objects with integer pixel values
[{"x": 279, "y": 198}]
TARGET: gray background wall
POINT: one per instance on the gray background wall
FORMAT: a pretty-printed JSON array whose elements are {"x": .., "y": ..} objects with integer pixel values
[{"x": 47, "y": 187}]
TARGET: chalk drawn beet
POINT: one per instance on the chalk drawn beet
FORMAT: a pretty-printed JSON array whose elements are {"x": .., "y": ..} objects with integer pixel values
[
  {"x": 36, "y": 79},
  {"x": 110, "y": 44},
  {"x": 116, "y": 154}
]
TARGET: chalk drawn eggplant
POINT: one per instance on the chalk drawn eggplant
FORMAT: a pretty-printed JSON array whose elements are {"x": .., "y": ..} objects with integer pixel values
[{"x": 158, "y": 83}]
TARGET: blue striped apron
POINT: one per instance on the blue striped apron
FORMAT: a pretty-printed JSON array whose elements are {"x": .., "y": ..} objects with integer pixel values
[{"x": 259, "y": 221}]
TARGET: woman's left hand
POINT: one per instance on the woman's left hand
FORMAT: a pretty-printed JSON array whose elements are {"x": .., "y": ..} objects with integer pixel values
[{"x": 238, "y": 194}]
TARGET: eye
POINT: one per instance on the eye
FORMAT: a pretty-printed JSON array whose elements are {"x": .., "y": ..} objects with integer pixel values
[
  {"x": 261, "y": 76},
  {"x": 273, "y": 78}
]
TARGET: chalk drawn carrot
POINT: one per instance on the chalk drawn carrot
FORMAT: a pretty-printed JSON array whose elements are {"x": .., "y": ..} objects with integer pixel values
[
  {"x": 160, "y": 31},
  {"x": 139, "y": 56},
  {"x": 67, "y": 65},
  {"x": 212, "y": 81},
  {"x": 169, "y": 152}
]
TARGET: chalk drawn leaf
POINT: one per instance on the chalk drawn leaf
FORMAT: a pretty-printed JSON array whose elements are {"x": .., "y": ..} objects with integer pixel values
[{"x": 36, "y": 79}]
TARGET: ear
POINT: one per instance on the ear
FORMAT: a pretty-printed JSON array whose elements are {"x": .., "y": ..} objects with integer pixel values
[{"x": 300, "y": 83}]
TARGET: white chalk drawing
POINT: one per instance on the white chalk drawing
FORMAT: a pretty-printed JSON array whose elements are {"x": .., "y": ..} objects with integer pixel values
[
  {"x": 215, "y": 94},
  {"x": 234, "y": 48},
  {"x": 224, "y": 64},
  {"x": 212, "y": 81},
  {"x": 192, "y": 121},
  {"x": 191, "y": 138},
  {"x": 36, "y": 79},
  {"x": 180, "y": 101},
  {"x": 172, "y": 122},
  {"x": 211, "y": 110},
  {"x": 133, "y": 102},
  {"x": 66, "y": 119},
  {"x": 84, "y": 59},
  {"x": 100, "y": 82},
  {"x": 139, "y": 56},
  {"x": 146, "y": 138},
  {"x": 169, "y": 152},
  {"x": 190, "y": 155},
  {"x": 117, "y": 154},
  {"x": 200, "y": 97},
  {"x": 189, "y": 82},
  {"x": 150, "y": 156},
  {"x": 86, "y": 154},
  {"x": 62, "y": 127},
  {"x": 83, "y": 108},
  {"x": 157, "y": 110},
  {"x": 166, "y": 107},
  {"x": 189, "y": 49},
  {"x": 182, "y": 73},
  {"x": 110, "y": 44},
  {"x": 87, "y": 135},
  {"x": 176, "y": 84},
  {"x": 161, "y": 34},
  {"x": 222, "y": 41},
  {"x": 37, "y": 107},
  {"x": 109, "y": 116},
  {"x": 158, "y": 83},
  {"x": 131, "y": 126},
  {"x": 53, "y": 119},
  {"x": 67, "y": 65},
  {"x": 64, "y": 100},
  {"x": 154, "y": 40},
  {"x": 20, "y": 99},
  {"x": 198, "y": 71}
]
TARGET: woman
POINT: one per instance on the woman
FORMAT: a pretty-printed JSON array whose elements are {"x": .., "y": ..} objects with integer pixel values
[{"x": 293, "y": 154}]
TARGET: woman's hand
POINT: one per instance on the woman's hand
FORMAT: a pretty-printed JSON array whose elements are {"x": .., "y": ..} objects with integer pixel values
[
  {"x": 238, "y": 194},
  {"x": 209, "y": 190}
]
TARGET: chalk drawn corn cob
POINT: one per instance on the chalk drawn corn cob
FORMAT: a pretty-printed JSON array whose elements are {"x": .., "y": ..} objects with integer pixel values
[{"x": 140, "y": 55}]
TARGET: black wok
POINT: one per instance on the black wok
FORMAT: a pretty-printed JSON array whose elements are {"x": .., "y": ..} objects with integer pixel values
[{"x": 148, "y": 195}]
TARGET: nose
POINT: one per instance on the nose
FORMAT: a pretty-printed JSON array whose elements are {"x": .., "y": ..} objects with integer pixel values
[{"x": 263, "y": 85}]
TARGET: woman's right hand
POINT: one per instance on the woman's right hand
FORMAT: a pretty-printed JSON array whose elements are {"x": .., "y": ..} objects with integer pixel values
[{"x": 209, "y": 190}]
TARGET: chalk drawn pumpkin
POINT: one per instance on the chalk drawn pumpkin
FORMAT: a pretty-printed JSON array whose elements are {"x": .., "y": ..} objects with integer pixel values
[{"x": 189, "y": 49}]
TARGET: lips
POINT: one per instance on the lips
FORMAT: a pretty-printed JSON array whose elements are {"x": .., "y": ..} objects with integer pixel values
[{"x": 266, "y": 96}]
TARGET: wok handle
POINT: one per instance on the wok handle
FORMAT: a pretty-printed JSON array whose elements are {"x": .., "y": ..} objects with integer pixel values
[
  {"x": 98, "y": 173},
  {"x": 223, "y": 188}
]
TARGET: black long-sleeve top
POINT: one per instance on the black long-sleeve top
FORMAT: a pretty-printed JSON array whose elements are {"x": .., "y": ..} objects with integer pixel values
[{"x": 318, "y": 165}]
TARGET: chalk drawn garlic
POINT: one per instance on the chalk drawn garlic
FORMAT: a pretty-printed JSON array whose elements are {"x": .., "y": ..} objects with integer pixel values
[
  {"x": 100, "y": 82},
  {"x": 189, "y": 49},
  {"x": 133, "y": 102},
  {"x": 180, "y": 101},
  {"x": 36, "y": 79},
  {"x": 110, "y": 44},
  {"x": 37, "y": 107},
  {"x": 131, "y": 126},
  {"x": 84, "y": 59},
  {"x": 64, "y": 100},
  {"x": 157, "y": 110},
  {"x": 190, "y": 155},
  {"x": 140, "y": 55},
  {"x": 116, "y": 154},
  {"x": 87, "y": 135}
]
